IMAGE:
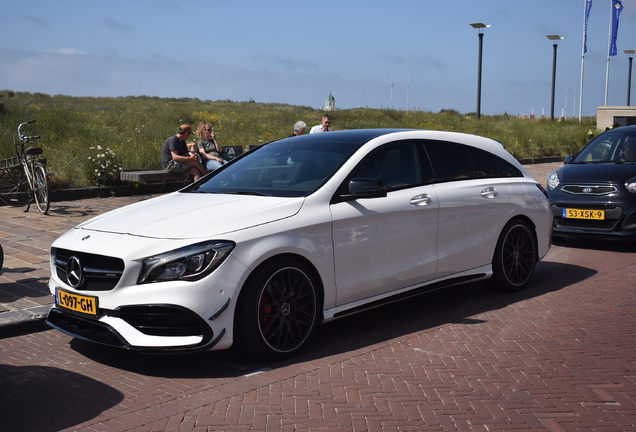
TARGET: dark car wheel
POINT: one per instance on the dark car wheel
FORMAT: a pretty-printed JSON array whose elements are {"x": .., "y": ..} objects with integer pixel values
[
  {"x": 1, "y": 258},
  {"x": 277, "y": 311},
  {"x": 515, "y": 256}
]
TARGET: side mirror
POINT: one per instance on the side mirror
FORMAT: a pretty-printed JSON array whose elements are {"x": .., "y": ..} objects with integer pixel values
[
  {"x": 363, "y": 188},
  {"x": 567, "y": 159}
]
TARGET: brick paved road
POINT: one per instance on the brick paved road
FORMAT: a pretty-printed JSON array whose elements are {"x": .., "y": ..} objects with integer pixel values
[{"x": 556, "y": 357}]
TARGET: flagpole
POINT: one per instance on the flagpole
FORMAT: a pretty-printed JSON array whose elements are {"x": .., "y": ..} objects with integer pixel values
[
  {"x": 609, "y": 45},
  {"x": 408, "y": 89},
  {"x": 391, "y": 101},
  {"x": 583, "y": 59}
]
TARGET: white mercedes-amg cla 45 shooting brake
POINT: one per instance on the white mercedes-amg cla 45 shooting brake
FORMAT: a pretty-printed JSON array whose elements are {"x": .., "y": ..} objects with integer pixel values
[{"x": 298, "y": 232}]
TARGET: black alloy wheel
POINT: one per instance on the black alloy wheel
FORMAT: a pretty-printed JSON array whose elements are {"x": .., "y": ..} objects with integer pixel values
[
  {"x": 515, "y": 256},
  {"x": 278, "y": 310}
]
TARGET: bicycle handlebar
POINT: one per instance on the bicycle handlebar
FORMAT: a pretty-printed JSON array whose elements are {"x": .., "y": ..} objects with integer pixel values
[{"x": 23, "y": 137}]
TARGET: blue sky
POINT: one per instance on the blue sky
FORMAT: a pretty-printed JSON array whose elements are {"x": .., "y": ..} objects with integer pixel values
[{"x": 297, "y": 52}]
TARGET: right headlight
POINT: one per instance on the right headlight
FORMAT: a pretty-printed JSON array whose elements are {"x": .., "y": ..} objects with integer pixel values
[
  {"x": 189, "y": 263},
  {"x": 553, "y": 180},
  {"x": 631, "y": 185}
]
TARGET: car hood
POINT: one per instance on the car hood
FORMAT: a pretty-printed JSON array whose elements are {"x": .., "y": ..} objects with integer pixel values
[
  {"x": 589, "y": 173},
  {"x": 191, "y": 215}
]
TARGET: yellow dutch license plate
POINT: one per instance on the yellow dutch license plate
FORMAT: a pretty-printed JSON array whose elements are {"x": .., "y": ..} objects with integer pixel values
[
  {"x": 584, "y": 214},
  {"x": 77, "y": 303}
]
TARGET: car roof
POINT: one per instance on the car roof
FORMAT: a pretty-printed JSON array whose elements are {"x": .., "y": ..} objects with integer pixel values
[
  {"x": 620, "y": 129},
  {"x": 350, "y": 135}
]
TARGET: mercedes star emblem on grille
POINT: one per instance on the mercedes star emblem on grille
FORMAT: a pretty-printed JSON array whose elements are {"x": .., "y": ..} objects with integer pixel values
[{"x": 74, "y": 272}]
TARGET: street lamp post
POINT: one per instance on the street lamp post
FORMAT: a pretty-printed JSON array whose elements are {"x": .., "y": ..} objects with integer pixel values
[
  {"x": 629, "y": 75},
  {"x": 554, "y": 38},
  {"x": 481, "y": 28}
]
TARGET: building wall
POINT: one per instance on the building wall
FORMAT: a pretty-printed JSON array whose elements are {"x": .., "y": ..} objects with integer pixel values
[{"x": 605, "y": 115}]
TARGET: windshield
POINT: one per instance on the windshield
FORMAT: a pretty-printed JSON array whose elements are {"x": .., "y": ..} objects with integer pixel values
[
  {"x": 291, "y": 167},
  {"x": 610, "y": 147}
]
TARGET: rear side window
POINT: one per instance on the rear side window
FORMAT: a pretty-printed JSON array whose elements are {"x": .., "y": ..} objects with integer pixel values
[
  {"x": 452, "y": 162},
  {"x": 487, "y": 165},
  {"x": 397, "y": 164}
]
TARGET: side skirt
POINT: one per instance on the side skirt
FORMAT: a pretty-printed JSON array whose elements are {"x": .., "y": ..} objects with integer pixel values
[{"x": 407, "y": 294}]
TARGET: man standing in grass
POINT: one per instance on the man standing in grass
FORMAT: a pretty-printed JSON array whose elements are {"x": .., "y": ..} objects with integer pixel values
[
  {"x": 324, "y": 126},
  {"x": 176, "y": 158}
]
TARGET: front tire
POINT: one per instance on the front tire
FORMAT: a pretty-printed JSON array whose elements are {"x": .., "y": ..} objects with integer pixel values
[
  {"x": 41, "y": 191},
  {"x": 278, "y": 310},
  {"x": 515, "y": 256}
]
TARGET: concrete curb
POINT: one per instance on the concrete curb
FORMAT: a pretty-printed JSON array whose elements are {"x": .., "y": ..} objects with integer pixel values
[
  {"x": 15, "y": 323},
  {"x": 111, "y": 191},
  {"x": 538, "y": 160}
]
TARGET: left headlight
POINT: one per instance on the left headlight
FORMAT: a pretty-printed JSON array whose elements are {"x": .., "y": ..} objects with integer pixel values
[
  {"x": 188, "y": 263},
  {"x": 553, "y": 180},
  {"x": 631, "y": 185}
]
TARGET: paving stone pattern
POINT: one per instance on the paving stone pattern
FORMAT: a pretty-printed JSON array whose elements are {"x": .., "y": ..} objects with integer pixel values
[
  {"x": 556, "y": 357},
  {"x": 552, "y": 359}
]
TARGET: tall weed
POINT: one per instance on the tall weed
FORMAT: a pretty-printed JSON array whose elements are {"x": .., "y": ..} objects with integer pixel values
[{"x": 135, "y": 128}]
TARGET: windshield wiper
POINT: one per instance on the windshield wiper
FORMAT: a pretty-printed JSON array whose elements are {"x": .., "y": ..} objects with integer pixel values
[{"x": 245, "y": 192}]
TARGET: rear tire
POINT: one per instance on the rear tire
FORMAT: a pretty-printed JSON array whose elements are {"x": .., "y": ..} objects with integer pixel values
[
  {"x": 278, "y": 310},
  {"x": 14, "y": 188},
  {"x": 515, "y": 256},
  {"x": 41, "y": 191}
]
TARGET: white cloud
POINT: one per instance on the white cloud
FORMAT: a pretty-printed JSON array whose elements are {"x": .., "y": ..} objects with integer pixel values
[{"x": 66, "y": 51}]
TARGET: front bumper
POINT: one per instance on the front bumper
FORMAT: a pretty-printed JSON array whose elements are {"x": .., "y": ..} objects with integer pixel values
[
  {"x": 617, "y": 222},
  {"x": 147, "y": 328}
]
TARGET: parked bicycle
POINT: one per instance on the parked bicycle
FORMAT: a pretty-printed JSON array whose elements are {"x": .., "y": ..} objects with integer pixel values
[{"x": 23, "y": 178}]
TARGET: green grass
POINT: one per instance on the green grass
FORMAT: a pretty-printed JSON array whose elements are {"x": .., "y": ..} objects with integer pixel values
[{"x": 75, "y": 130}]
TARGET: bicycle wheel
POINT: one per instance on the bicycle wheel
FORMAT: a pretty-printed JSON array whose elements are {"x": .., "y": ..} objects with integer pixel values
[
  {"x": 14, "y": 187},
  {"x": 41, "y": 185}
]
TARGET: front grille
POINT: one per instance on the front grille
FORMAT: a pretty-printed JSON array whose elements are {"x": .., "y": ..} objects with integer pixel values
[
  {"x": 589, "y": 189},
  {"x": 98, "y": 272},
  {"x": 605, "y": 225}
]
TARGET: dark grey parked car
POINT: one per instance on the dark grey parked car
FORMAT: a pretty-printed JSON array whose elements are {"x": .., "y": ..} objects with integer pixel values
[{"x": 594, "y": 193}]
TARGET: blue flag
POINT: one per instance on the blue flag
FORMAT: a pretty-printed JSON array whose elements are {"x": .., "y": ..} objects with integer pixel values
[
  {"x": 588, "y": 8},
  {"x": 617, "y": 7}
]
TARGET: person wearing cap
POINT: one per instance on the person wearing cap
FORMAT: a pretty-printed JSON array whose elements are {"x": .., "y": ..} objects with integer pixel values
[{"x": 176, "y": 158}]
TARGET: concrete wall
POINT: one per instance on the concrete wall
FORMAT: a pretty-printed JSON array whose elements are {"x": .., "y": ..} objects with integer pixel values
[{"x": 605, "y": 115}]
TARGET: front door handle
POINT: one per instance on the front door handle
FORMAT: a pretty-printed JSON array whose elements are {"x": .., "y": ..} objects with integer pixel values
[
  {"x": 490, "y": 192},
  {"x": 421, "y": 200}
]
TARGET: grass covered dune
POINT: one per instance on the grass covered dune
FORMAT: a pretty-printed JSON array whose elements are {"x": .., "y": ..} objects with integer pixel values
[{"x": 88, "y": 140}]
